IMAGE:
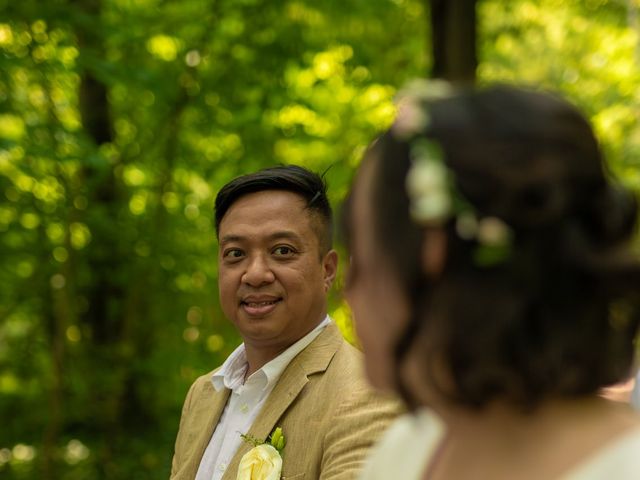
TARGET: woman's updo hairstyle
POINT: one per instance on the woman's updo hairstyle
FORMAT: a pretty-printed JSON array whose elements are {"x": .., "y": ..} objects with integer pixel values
[{"x": 558, "y": 314}]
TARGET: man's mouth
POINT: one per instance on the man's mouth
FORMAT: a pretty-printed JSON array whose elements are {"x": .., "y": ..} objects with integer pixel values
[
  {"x": 260, "y": 304},
  {"x": 259, "y": 307}
]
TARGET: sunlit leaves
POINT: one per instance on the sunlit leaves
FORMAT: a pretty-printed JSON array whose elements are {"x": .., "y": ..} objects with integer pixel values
[
  {"x": 60, "y": 254},
  {"x": 291, "y": 116},
  {"x": 134, "y": 176},
  {"x": 199, "y": 92},
  {"x": 11, "y": 127},
  {"x": 342, "y": 317},
  {"x": 164, "y": 47},
  {"x": 29, "y": 220},
  {"x": 6, "y": 34},
  {"x": 332, "y": 103},
  {"x": 7, "y": 215},
  {"x": 80, "y": 235},
  {"x": 585, "y": 50}
]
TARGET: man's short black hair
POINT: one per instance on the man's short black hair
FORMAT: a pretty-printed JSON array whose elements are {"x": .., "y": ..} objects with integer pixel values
[{"x": 291, "y": 178}]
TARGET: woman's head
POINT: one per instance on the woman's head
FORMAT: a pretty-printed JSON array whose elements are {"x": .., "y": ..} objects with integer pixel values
[{"x": 506, "y": 277}]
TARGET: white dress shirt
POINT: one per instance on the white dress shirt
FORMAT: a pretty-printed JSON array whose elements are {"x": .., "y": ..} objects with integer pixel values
[{"x": 245, "y": 401}]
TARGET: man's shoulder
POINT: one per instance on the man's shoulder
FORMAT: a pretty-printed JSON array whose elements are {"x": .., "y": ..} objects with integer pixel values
[
  {"x": 203, "y": 380},
  {"x": 346, "y": 368},
  {"x": 349, "y": 357},
  {"x": 349, "y": 350}
]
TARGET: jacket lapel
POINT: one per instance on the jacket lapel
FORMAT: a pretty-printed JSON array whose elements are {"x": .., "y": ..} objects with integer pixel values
[
  {"x": 313, "y": 359},
  {"x": 207, "y": 411}
]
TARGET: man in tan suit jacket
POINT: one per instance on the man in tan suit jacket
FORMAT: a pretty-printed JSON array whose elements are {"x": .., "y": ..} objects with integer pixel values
[{"x": 276, "y": 266}]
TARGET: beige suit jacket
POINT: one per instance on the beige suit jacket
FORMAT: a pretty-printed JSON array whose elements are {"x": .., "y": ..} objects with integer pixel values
[{"x": 329, "y": 415}]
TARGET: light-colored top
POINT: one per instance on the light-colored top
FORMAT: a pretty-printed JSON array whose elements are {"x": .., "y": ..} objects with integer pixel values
[
  {"x": 635, "y": 393},
  {"x": 407, "y": 447},
  {"x": 245, "y": 402}
]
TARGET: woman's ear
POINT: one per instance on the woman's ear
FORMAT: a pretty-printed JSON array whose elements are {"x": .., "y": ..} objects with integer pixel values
[{"x": 434, "y": 252}]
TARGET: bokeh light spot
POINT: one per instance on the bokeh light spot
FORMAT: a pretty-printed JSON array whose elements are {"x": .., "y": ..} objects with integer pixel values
[
  {"x": 163, "y": 47},
  {"x": 80, "y": 235},
  {"x": 215, "y": 343},
  {"x": 11, "y": 127},
  {"x": 60, "y": 254},
  {"x": 58, "y": 281},
  {"x": 6, "y": 35},
  {"x": 30, "y": 220},
  {"x": 194, "y": 315},
  {"x": 73, "y": 333},
  {"x": 23, "y": 453},
  {"x": 191, "y": 334},
  {"x": 75, "y": 452}
]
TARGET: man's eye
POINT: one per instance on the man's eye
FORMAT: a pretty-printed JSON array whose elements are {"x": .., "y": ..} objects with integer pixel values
[
  {"x": 233, "y": 253},
  {"x": 283, "y": 251}
]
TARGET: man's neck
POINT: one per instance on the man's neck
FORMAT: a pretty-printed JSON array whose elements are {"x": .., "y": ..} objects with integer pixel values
[{"x": 257, "y": 357}]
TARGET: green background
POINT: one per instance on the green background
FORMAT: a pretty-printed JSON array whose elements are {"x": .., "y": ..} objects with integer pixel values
[{"x": 120, "y": 119}]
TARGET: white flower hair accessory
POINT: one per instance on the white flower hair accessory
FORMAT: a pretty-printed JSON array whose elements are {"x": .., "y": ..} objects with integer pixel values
[
  {"x": 431, "y": 187},
  {"x": 428, "y": 184},
  {"x": 412, "y": 118}
]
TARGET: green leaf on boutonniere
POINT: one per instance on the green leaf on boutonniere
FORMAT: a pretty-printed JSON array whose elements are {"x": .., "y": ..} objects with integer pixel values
[
  {"x": 277, "y": 440},
  {"x": 251, "y": 439}
]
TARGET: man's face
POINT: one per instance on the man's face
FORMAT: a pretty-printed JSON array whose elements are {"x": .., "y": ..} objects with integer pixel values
[{"x": 273, "y": 279}]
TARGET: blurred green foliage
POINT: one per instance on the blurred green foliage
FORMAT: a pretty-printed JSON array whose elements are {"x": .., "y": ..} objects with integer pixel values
[{"x": 120, "y": 119}]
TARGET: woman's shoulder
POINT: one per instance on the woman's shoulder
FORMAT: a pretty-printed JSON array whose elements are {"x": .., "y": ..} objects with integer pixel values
[
  {"x": 405, "y": 448},
  {"x": 618, "y": 459}
]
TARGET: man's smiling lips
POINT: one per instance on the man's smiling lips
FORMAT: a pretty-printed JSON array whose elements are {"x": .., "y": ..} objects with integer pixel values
[{"x": 259, "y": 306}]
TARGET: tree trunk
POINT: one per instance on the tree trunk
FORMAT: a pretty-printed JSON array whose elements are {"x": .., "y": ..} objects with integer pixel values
[{"x": 453, "y": 39}]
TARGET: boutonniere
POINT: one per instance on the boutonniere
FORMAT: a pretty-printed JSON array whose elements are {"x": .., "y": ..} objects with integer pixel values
[{"x": 264, "y": 460}]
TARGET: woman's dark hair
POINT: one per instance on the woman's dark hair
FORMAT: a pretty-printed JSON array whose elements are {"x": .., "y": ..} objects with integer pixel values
[
  {"x": 291, "y": 178},
  {"x": 559, "y": 316}
]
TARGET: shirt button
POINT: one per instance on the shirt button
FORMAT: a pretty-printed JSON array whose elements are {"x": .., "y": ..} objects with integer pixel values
[
  {"x": 222, "y": 467},
  {"x": 244, "y": 408}
]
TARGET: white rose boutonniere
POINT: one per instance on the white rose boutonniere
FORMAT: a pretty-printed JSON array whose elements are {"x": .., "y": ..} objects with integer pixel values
[{"x": 264, "y": 460}]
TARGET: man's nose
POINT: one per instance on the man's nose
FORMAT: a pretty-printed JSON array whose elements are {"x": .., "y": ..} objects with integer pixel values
[{"x": 258, "y": 272}]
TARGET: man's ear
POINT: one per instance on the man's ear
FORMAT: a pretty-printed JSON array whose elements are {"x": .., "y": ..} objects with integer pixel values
[
  {"x": 330, "y": 267},
  {"x": 434, "y": 252}
]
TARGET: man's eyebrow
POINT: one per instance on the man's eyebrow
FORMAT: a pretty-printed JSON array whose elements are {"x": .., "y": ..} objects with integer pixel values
[
  {"x": 231, "y": 238},
  {"x": 286, "y": 234}
]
